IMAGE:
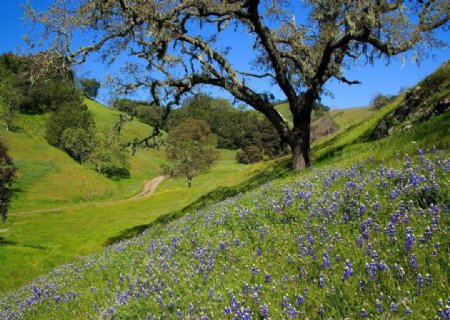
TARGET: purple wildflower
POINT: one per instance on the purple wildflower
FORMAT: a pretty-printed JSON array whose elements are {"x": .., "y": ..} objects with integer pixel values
[
  {"x": 264, "y": 311},
  {"x": 413, "y": 262},
  {"x": 348, "y": 270}
]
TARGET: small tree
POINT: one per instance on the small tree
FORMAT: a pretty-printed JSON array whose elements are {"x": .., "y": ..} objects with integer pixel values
[
  {"x": 89, "y": 87},
  {"x": 8, "y": 112},
  {"x": 380, "y": 100},
  {"x": 191, "y": 149},
  {"x": 71, "y": 115},
  {"x": 108, "y": 156},
  {"x": 78, "y": 142},
  {"x": 7, "y": 175}
]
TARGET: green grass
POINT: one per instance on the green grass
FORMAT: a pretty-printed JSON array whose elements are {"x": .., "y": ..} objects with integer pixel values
[
  {"x": 282, "y": 229},
  {"x": 346, "y": 118},
  {"x": 48, "y": 177},
  {"x": 35, "y": 243}
]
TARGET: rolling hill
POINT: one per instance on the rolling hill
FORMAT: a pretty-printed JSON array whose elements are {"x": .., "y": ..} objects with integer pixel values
[
  {"x": 34, "y": 244},
  {"x": 364, "y": 234}
]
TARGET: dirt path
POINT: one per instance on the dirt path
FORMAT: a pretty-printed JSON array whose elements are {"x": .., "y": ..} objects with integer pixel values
[{"x": 149, "y": 187}]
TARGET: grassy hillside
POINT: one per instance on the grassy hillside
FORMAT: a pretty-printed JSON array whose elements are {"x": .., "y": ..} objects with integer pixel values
[
  {"x": 344, "y": 118},
  {"x": 352, "y": 240},
  {"x": 48, "y": 177},
  {"x": 49, "y": 239},
  {"x": 31, "y": 244}
]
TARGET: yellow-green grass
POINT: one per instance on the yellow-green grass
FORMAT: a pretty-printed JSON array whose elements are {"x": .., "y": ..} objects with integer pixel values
[
  {"x": 329, "y": 144},
  {"x": 283, "y": 109},
  {"x": 48, "y": 177},
  {"x": 346, "y": 118},
  {"x": 32, "y": 244}
]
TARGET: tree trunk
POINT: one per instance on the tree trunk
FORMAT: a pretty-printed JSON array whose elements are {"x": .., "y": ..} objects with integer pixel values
[
  {"x": 300, "y": 142},
  {"x": 298, "y": 162}
]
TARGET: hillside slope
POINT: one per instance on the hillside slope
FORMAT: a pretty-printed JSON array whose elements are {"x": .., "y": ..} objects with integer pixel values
[
  {"x": 366, "y": 240},
  {"x": 48, "y": 177},
  {"x": 34, "y": 243}
]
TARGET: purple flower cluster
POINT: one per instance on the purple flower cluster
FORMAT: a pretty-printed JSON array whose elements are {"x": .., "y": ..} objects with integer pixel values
[{"x": 371, "y": 234}]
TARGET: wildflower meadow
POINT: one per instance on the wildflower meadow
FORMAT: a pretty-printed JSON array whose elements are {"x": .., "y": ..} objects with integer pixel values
[{"x": 366, "y": 241}]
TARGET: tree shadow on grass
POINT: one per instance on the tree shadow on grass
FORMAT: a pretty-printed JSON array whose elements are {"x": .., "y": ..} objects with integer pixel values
[
  {"x": 278, "y": 169},
  {"x": 4, "y": 242}
]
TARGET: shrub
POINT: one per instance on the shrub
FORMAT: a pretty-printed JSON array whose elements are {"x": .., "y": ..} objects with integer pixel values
[
  {"x": 7, "y": 174},
  {"x": 75, "y": 116},
  {"x": 250, "y": 154}
]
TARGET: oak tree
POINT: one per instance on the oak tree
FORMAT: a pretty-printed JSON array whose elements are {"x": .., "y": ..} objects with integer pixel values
[
  {"x": 190, "y": 148},
  {"x": 175, "y": 46}
]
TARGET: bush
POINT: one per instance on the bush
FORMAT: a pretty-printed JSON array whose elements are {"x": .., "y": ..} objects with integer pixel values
[
  {"x": 71, "y": 115},
  {"x": 116, "y": 173},
  {"x": 380, "y": 100},
  {"x": 250, "y": 154},
  {"x": 7, "y": 175}
]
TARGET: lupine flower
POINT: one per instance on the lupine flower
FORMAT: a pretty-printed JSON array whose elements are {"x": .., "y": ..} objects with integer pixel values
[
  {"x": 378, "y": 306},
  {"x": 348, "y": 270},
  {"x": 326, "y": 260},
  {"x": 321, "y": 280},
  {"x": 264, "y": 311},
  {"x": 371, "y": 269},
  {"x": 363, "y": 313},
  {"x": 419, "y": 282},
  {"x": 409, "y": 239},
  {"x": 393, "y": 307},
  {"x": 413, "y": 262},
  {"x": 299, "y": 300}
]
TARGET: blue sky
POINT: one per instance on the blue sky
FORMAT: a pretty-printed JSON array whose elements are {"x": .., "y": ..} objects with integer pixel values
[{"x": 379, "y": 78}]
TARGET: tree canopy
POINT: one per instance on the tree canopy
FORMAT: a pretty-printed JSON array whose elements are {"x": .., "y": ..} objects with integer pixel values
[
  {"x": 191, "y": 149},
  {"x": 176, "y": 46},
  {"x": 89, "y": 87}
]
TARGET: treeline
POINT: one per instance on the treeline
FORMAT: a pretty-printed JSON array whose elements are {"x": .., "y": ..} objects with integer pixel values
[
  {"x": 234, "y": 128},
  {"x": 71, "y": 126}
]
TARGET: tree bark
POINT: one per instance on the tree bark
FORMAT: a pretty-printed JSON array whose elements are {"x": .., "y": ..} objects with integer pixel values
[{"x": 300, "y": 137}]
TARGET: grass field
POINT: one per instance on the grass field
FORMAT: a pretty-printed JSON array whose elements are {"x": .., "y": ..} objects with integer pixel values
[
  {"x": 311, "y": 243},
  {"x": 48, "y": 177},
  {"x": 35, "y": 243},
  {"x": 32, "y": 244}
]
